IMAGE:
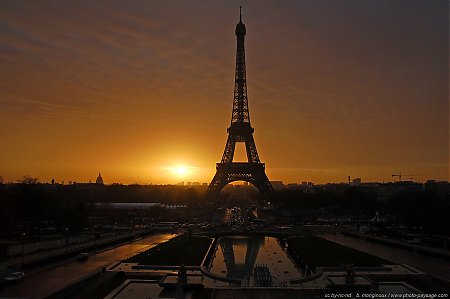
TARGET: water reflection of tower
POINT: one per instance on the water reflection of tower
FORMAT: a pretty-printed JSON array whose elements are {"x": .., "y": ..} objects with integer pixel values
[{"x": 251, "y": 244}]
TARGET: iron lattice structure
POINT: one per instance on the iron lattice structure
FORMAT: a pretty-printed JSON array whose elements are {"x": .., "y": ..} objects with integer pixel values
[{"x": 240, "y": 130}]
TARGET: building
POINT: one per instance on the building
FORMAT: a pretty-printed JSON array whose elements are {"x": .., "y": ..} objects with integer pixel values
[
  {"x": 99, "y": 179},
  {"x": 356, "y": 182},
  {"x": 278, "y": 185}
]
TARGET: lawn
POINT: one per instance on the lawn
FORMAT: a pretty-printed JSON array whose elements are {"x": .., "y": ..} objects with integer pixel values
[
  {"x": 318, "y": 252},
  {"x": 175, "y": 252}
]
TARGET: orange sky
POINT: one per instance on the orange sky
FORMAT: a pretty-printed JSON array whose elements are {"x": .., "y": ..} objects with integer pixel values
[{"x": 136, "y": 88}]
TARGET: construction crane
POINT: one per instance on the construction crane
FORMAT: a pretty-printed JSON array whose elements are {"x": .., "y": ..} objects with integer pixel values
[{"x": 400, "y": 176}]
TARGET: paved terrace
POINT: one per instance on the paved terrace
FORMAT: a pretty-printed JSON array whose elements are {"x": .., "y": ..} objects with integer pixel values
[{"x": 44, "y": 283}]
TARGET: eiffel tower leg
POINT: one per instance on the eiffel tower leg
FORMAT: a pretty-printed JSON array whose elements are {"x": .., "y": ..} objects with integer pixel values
[
  {"x": 261, "y": 181},
  {"x": 250, "y": 146},
  {"x": 215, "y": 186},
  {"x": 229, "y": 149}
]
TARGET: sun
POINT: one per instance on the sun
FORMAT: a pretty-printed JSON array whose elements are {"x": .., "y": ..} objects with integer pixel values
[{"x": 180, "y": 170}]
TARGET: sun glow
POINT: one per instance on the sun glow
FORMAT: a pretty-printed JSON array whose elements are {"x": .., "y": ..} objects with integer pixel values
[{"x": 180, "y": 171}]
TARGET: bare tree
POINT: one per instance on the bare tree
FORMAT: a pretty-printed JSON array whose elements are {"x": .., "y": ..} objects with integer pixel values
[{"x": 28, "y": 180}]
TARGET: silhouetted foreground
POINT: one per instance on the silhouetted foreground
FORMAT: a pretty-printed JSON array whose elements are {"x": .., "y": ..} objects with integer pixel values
[
  {"x": 35, "y": 208},
  {"x": 403, "y": 206},
  {"x": 44, "y": 208},
  {"x": 31, "y": 211}
]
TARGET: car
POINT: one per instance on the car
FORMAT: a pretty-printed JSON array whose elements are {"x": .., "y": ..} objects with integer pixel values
[
  {"x": 14, "y": 277},
  {"x": 82, "y": 257}
]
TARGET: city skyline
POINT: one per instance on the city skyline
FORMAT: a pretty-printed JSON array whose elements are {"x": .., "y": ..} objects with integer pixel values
[{"x": 142, "y": 92}]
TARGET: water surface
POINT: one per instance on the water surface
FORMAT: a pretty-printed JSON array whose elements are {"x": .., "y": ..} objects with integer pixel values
[{"x": 237, "y": 256}]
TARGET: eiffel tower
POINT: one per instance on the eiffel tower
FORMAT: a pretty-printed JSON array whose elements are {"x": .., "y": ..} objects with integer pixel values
[{"x": 240, "y": 130}]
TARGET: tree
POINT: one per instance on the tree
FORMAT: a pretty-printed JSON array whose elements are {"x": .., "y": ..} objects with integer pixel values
[{"x": 28, "y": 180}]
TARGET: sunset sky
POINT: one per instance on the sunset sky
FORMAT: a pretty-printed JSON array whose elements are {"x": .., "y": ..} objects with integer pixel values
[{"x": 140, "y": 89}]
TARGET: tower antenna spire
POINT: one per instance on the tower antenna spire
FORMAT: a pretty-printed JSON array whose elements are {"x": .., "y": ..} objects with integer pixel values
[{"x": 240, "y": 14}]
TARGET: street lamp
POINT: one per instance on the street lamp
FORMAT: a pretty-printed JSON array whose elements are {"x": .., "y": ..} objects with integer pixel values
[
  {"x": 115, "y": 233},
  {"x": 23, "y": 249},
  {"x": 67, "y": 239}
]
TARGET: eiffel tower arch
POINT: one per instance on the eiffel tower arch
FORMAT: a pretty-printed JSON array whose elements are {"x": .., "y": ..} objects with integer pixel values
[{"x": 240, "y": 130}]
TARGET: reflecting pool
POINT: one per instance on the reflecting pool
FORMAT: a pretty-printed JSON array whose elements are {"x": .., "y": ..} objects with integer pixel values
[{"x": 251, "y": 258}]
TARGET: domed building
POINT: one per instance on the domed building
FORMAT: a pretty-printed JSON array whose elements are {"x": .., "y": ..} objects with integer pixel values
[{"x": 99, "y": 179}]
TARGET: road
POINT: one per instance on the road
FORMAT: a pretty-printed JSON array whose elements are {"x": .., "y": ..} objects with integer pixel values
[
  {"x": 36, "y": 257},
  {"x": 45, "y": 283},
  {"x": 429, "y": 265}
]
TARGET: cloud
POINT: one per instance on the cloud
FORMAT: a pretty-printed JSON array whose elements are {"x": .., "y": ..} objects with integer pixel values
[{"x": 324, "y": 79}]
